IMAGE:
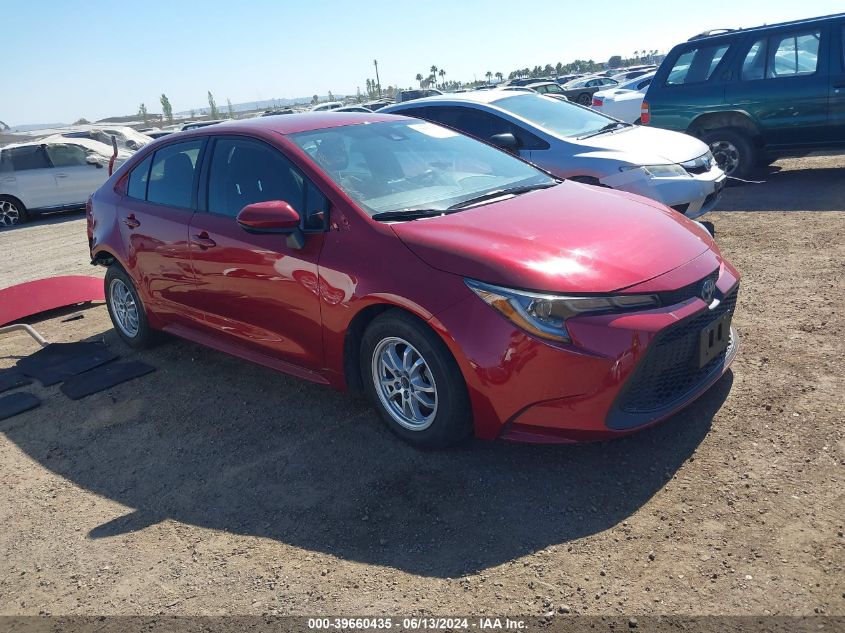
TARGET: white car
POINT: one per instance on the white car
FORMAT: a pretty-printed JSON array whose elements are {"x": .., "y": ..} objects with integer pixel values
[
  {"x": 575, "y": 142},
  {"x": 329, "y": 105},
  {"x": 53, "y": 174},
  {"x": 624, "y": 101},
  {"x": 126, "y": 137}
]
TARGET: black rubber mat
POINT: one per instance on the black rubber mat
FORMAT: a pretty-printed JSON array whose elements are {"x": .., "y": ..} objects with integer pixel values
[
  {"x": 103, "y": 377},
  {"x": 16, "y": 403},
  {"x": 10, "y": 379},
  {"x": 60, "y": 361}
]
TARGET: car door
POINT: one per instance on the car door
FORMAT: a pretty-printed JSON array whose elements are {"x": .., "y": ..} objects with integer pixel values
[
  {"x": 256, "y": 290},
  {"x": 76, "y": 179},
  {"x": 783, "y": 83},
  {"x": 29, "y": 177},
  {"x": 154, "y": 218}
]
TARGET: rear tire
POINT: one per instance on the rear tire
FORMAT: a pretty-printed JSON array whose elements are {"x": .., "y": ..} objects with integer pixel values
[
  {"x": 126, "y": 310},
  {"x": 585, "y": 99},
  {"x": 12, "y": 212},
  {"x": 733, "y": 150},
  {"x": 414, "y": 381}
]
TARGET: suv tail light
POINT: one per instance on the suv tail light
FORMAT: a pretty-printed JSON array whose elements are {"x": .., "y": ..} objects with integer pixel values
[
  {"x": 645, "y": 115},
  {"x": 597, "y": 102}
]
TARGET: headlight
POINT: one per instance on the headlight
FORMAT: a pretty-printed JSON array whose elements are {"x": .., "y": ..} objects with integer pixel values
[
  {"x": 545, "y": 315},
  {"x": 658, "y": 171},
  {"x": 702, "y": 163}
]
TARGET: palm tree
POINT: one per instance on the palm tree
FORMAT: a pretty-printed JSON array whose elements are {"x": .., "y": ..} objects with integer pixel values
[
  {"x": 489, "y": 76},
  {"x": 434, "y": 74},
  {"x": 499, "y": 76},
  {"x": 558, "y": 69},
  {"x": 419, "y": 78},
  {"x": 442, "y": 74}
]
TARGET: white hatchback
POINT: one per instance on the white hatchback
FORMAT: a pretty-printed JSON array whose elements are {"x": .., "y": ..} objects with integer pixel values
[{"x": 41, "y": 177}]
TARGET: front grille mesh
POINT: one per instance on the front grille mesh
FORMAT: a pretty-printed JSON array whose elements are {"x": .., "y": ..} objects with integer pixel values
[{"x": 670, "y": 371}]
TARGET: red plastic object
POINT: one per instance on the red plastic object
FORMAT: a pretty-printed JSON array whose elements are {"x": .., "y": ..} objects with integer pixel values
[{"x": 32, "y": 297}]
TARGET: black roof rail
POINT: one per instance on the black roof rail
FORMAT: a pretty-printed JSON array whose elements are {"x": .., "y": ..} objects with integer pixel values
[{"x": 711, "y": 32}]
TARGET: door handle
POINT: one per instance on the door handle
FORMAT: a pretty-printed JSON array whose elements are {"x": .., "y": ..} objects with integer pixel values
[
  {"x": 61, "y": 175},
  {"x": 131, "y": 222},
  {"x": 203, "y": 241}
]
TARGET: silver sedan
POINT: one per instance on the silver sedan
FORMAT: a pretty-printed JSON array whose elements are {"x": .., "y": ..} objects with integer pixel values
[{"x": 580, "y": 144}]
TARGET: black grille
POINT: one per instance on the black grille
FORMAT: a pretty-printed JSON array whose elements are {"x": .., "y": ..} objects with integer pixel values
[{"x": 670, "y": 372}]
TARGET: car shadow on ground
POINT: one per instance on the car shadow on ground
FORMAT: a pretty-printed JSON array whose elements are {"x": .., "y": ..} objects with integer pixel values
[
  {"x": 219, "y": 443},
  {"x": 774, "y": 189}
]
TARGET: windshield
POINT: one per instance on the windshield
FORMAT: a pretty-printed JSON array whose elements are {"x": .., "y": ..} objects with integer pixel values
[
  {"x": 561, "y": 118},
  {"x": 410, "y": 165}
]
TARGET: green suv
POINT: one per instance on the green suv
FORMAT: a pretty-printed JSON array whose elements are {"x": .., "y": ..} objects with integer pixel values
[{"x": 755, "y": 94}]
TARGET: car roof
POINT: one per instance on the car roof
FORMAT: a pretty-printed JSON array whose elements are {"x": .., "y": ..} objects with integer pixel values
[
  {"x": 291, "y": 123},
  {"x": 475, "y": 96},
  {"x": 729, "y": 32}
]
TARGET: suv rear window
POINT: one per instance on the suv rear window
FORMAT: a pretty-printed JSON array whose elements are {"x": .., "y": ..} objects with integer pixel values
[{"x": 696, "y": 65}]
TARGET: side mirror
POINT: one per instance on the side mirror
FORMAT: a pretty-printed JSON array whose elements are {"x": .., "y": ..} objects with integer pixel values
[
  {"x": 506, "y": 141},
  {"x": 93, "y": 160},
  {"x": 273, "y": 216}
]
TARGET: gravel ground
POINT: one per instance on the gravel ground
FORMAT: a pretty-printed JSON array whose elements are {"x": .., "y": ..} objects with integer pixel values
[{"x": 213, "y": 486}]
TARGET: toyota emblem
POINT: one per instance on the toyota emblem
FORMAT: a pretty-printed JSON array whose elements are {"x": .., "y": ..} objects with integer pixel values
[{"x": 708, "y": 289}]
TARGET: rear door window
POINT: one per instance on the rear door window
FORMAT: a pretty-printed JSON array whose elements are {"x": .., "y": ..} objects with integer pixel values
[
  {"x": 754, "y": 64},
  {"x": 793, "y": 54},
  {"x": 28, "y": 157},
  {"x": 172, "y": 174},
  {"x": 696, "y": 65},
  {"x": 138, "y": 179}
]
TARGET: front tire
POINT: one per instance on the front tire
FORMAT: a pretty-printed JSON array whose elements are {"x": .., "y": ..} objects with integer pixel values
[
  {"x": 733, "y": 150},
  {"x": 126, "y": 310},
  {"x": 12, "y": 212},
  {"x": 412, "y": 379}
]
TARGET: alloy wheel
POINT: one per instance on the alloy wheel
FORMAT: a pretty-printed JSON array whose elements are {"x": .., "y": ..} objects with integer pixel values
[
  {"x": 404, "y": 383},
  {"x": 9, "y": 213},
  {"x": 726, "y": 154},
  {"x": 124, "y": 308}
]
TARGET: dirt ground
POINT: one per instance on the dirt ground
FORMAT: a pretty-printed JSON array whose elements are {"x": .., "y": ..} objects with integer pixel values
[{"x": 213, "y": 486}]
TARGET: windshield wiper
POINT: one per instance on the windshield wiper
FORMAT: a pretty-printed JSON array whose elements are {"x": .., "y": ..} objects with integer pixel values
[
  {"x": 498, "y": 193},
  {"x": 409, "y": 214},
  {"x": 606, "y": 128}
]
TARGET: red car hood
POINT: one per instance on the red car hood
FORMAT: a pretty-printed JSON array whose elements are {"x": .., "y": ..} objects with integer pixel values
[{"x": 570, "y": 238}]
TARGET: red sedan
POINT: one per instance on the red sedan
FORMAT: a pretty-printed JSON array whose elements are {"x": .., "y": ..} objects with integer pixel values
[{"x": 462, "y": 288}]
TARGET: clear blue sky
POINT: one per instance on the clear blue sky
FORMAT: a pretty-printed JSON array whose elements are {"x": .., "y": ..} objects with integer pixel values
[{"x": 63, "y": 59}]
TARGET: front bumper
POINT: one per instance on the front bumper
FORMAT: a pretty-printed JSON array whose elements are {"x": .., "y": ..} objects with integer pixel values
[
  {"x": 692, "y": 195},
  {"x": 618, "y": 376}
]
